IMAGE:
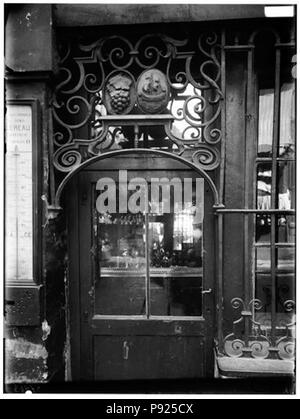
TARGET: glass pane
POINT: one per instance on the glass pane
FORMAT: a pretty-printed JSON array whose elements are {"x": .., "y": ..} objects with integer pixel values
[
  {"x": 286, "y": 258},
  {"x": 265, "y": 122},
  {"x": 286, "y": 185},
  {"x": 263, "y": 228},
  {"x": 119, "y": 295},
  {"x": 263, "y": 202},
  {"x": 287, "y": 113},
  {"x": 287, "y": 106},
  {"x": 285, "y": 293},
  {"x": 175, "y": 240},
  {"x": 286, "y": 229},
  {"x": 172, "y": 296},
  {"x": 120, "y": 277},
  {"x": 264, "y": 183},
  {"x": 287, "y": 122},
  {"x": 263, "y": 259},
  {"x": 174, "y": 230}
]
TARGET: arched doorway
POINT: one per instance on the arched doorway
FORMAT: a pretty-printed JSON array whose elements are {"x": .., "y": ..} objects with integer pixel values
[{"x": 141, "y": 278}]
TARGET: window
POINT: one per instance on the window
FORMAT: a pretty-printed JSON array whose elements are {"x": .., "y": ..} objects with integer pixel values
[
  {"x": 263, "y": 309},
  {"x": 275, "y": 198},
  {"x": 150, "y": 263}
]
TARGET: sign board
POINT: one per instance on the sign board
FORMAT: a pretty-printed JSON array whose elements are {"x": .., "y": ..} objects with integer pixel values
[{"x": 19, "y": 193}]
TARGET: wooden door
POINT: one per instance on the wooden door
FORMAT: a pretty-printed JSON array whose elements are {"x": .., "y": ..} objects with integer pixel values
[{"x": 142, "y": 285}]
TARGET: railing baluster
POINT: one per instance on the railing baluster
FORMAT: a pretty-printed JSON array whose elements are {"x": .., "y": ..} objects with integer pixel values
[
  {"x": 274, "y": 203},
  {"x": 249, "y": 136}
]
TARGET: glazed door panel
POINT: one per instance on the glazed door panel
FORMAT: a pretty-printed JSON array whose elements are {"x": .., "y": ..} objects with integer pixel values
[{"x": 141, "y": 307}]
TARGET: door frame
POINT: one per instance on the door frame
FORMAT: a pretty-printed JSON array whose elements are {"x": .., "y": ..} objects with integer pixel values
[{"x": 71, "y": 195}]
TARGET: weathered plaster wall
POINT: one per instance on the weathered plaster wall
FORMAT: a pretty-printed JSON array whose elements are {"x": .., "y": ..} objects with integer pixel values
[
  {"x": 25, "y": 356},
  {"x": 28, "y": 37},
  {"x": 55, "y": 261},
  {"x": 36, "y": 354}
]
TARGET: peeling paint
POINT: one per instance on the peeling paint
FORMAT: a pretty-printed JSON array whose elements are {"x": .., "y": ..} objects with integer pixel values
[
  {"x": 20, "y": 348},
  {"x": 28, "y": 18},
  {"x": 46, "y": 330},
  {"x": 46, "y": 213},
  {"x": 29, "y": 376},
  {"x": 28, "y": 30}
]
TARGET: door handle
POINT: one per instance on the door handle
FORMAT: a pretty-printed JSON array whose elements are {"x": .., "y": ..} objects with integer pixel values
[
  {"x": 125, "y": 351},
  {"x": 209, "y": 291}
]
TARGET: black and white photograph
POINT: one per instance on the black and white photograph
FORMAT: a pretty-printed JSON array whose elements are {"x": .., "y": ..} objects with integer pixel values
[{"x": 149, "y": 203}]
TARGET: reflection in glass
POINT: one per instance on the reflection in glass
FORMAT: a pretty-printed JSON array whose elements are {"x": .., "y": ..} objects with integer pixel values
[
  {"x": 264, "y": 183},
  {"x": 263, "y": 228},
  {"x": 176, "y": 296},
  {"x": 286, "y": 232},
  {"x": 174, "y": 260},
  {"x": 287, "y": 106},
  {"x": 263, "y": 258},
  {"x": 285, "y": 224},
  {"x": 287, "y": 121},
  {"x": 286, "y": 258},
  {"x": 119, "y": 295},
  {"x": 265, "y": 122},
  {"x": 263, "y": 198},
  {"x": 175, "y": 241},
  {"x": 120, "y": 286},
  {"x": 279, "y": 289},
  {"x": 286, "y": 185},
  {"x": 286, "y": 147},
  {"x": 121, "y": 241}
]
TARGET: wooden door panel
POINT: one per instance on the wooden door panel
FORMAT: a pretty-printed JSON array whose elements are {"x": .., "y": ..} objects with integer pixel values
[
  {"x": 149, "y": 327},
  {"x": 133, "y": 345},
  {"x": 147, "y": 357}
]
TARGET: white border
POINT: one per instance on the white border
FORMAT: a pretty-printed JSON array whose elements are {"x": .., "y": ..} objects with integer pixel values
[{"x": 131, "y": 396}]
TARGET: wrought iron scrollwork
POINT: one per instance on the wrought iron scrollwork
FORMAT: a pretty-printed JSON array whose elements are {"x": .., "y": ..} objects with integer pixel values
[
  {"x": 207, "y": 157},
  {"x": 251, "y": 338},
  {"x": 191, "y": 70}
]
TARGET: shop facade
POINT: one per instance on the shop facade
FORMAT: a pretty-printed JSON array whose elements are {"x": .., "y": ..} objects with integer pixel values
[{"x": 150, "y": 193}]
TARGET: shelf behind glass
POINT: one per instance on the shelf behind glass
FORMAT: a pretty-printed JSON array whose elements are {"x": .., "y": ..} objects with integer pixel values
[{"x": 172, "y": 272}]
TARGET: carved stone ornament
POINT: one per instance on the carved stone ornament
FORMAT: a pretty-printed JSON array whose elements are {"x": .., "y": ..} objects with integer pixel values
[
  {"x": 152, "y": 91},
  {"x": 119, "y": 93}
]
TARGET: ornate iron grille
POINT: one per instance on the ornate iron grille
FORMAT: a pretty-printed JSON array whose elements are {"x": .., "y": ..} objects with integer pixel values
[{"x": 151, "y": 92}]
